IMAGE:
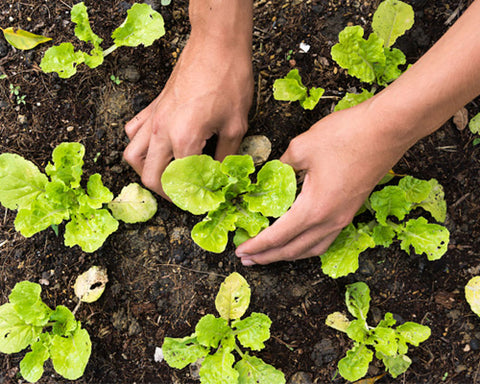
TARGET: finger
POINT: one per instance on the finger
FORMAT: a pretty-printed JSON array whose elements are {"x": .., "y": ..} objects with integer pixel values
[
  {"x": 158, "y": 157},
  {"x": 132, "y": 127},
  {"x": 229, "y": 141},
  {"x": 309, "y": 244},
  {"x": 136, "y": 151}
]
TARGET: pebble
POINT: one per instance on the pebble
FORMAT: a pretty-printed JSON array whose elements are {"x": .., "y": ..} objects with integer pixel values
[
  {"x": 129, "y": 73},
  {"x": 324, "y": 352},
  {"x": 301, "y": 377},
  {"x": 258, "y": 146}
]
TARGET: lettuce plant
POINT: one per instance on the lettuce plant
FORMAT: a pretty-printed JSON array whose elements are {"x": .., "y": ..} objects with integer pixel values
[
  {"x": 143, "y": 25},
  {"x": 373, "y": 60},
  {"x": 291, "y": 88},
  {"x": 388, "y": 343},
  {"x": 199, "y": 184},
  {"x": 27, "y": 321},
  {"x": 217, "y": 338},
  {"x": 45, "y": 200},
  {"x": 390, "y": 207}
]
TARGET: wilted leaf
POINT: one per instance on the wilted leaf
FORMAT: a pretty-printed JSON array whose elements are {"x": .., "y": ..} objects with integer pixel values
[
  {"x": 472, "y": 294},
  {"x": 23, "y": 40},
  {"x": 460, "y": 119},
  {"x": 90, "y": 285}
]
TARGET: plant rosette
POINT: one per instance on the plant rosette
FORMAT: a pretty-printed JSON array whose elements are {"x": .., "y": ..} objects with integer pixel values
[{"x": 199, "y": 184}]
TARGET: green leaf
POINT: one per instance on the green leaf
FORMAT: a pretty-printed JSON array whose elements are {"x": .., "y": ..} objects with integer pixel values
[
  {"x": 474, "y": 124},
  {"x": 431, "y": 239},
  {"x": 83, "y": 30},
  {"x": 390, "y": 201},
  {"x": 143, "y": 25},
  {"x": 65, "y": 322},
  {"x": 354, "y": 365},
  {"x": 218, "y": 368},
  {"x": 31, "y": 366},
  {"x": 391, "y": 19},
  {"x": 472, "y": 294},
  {"x": 357, "y": 298},
  {"x": 15, "y": 333},
  {"x": 90, "y": 230},
  {"x": 341, "y": 258},
  {"x": 338, "y": 321},
  {"x": 23, "y": 40},
  {"x": 435, "y": 202},
  {"x": 384, "y": 340},
  {"x": 388, "y": 321},
  {"x": 289, "y": 88},
  {"x": 241, "y": 235},
  {"x": 414, "y": 333},
  {"x": 178, "y": 353},
  {"x": 134, "y": 204},
  {"x": 62, "y": 59},
  {"x": 312, "y": 100},
  {"x": 67, "y": 164},
  {"x": 20, "y": 181},
  {"x": 252, "y": 222},
  {"x": 238, "y": 166},
  {"x": 98, "y": 193},
  {"x": 70, "y": 354},
  {"x": 383, "y": 235},
  {"x": 352, "y": 99},
  {"x": 233, "y": 297},
  {"x": 25, "y": 297},
  {"x": 357, "y": 330},
  {"x": 195, "y": 183},
  {"x": 210, "y": 330},
  {"x": 389, "y": 71},
  {"x": 253, "y": 330},
  {"x": 358, "y": 55},
  {"x": 396, "y": 365},
  {"x": 253, "y": 370},
  {"x": 274, "y": 191},
  {"x": 416, "y": 190}
]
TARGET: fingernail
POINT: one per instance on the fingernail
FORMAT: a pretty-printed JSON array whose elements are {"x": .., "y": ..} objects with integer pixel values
[{"x": 248, "y": 262}]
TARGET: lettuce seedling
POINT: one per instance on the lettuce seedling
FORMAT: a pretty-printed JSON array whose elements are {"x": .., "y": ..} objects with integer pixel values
[
  {"x": 217, "y": 338},
  {"x": 291, "y": 88},
  {"x": 199, "y": 184},
  {"x": 396, "y": 201},
  {"x": 45, "y": 200},
  {"x": 388, "y": 343},
  {"x": 143, "y": 25},
  {"x": 27, "y": 321},
  {"x": 474, "y": 126}
]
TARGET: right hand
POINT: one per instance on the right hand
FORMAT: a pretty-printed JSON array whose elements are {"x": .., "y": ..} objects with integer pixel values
[{"x": 209, "y": 92}]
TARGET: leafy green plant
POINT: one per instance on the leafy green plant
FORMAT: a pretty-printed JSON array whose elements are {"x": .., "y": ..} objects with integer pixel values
[
  {"x": 216, "y": 338},
  {"x": 291, "y": 88},
  {"x": 44, "y": 200},
  {"x": 199, "y": 184},
  {"x": 388, "y": 343},
  {"x": 27, "y": 321},
  {"x": 373, "y": 60},
  {"x": 474, "y": 126},
  {"x": 390, "y": 207},
  {"x": 143, "y": 25}
]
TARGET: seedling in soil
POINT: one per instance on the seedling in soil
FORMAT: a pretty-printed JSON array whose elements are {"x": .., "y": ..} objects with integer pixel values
[
  {"x": 199, "y": 184},
  {"x": 217, "y": 338},
  {"x": 115, "y": 79},
  {"x": 143, "y": 25},
  {"x": 15, "y": 93},
  {"x": 27, "y": 321},
  {"x": 291, "y": 88},
  {"x": 390, "y": 206},
  {"x": 474, "y": 126},
  {"x": 45, "y": 200},
  {"x": 388, "y": 343}
]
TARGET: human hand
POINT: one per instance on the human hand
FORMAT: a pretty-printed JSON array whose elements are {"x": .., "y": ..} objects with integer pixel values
[
  {"x": 209, "y": 92},
  {"x": 344, "y": 157}
]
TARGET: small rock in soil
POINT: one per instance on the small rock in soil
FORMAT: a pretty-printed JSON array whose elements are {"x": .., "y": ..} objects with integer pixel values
[
  {"x": 120, "y": 320},
  {"x": 134, "y": 328},
  {"x": 301, "y": 378},
  {"x": 324, "y": 352},
  {"x": 258, "y": 146},
  {"x": 129, "y": 73}
]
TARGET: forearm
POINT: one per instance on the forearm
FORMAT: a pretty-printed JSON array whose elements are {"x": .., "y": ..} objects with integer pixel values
[
  {"x": 225, "y": 22},
  {"x": 446, "y": 78}
]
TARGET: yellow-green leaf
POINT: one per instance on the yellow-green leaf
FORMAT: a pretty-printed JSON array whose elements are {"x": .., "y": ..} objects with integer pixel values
[
  {"x": 233, "y": 298},
  {"x": 472, "y": 294},
  {"x": 23, "y": 40}
]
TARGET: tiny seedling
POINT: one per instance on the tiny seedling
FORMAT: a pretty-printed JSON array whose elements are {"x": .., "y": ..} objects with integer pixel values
[
  {"x": 217, "y": 338},
  {"x": 3, "y": 76},
  {"x": 115, "y": 79},
  {"x": 396, "y": 201},
  {"x": 199, "y": 184},
  {"x": 291, "y": 88},
  {"x": 43, "y": 200},
  {"x": 388, "y": 343},
  {"x": 15, "y": 93},
  {"x": 143, "y": 25},
  {"x": 474, "y": 126}
]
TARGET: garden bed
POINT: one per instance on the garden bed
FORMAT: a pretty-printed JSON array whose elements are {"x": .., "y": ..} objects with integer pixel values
[{"x": 160, "y": 282}]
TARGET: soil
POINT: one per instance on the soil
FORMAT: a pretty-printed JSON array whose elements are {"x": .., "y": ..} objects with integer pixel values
[{"x": 160, "y": 283}]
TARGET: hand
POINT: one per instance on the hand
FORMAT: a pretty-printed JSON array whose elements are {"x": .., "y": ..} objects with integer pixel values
[
  {"x": 209, "y": 92},
  {"x": 344, "y": 158}
]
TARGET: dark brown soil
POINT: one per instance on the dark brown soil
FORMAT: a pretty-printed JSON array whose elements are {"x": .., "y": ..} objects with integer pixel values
[{"x": 160, "y": 282}]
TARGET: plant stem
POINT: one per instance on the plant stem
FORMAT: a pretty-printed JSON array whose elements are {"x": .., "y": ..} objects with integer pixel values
[{"x": 109, "y": 50}]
